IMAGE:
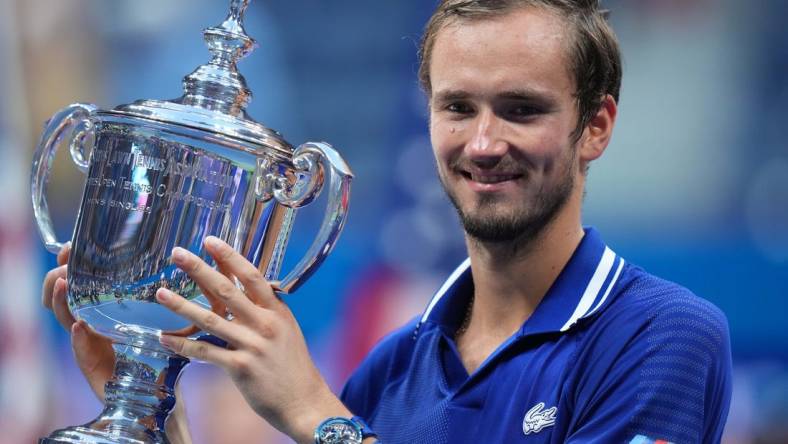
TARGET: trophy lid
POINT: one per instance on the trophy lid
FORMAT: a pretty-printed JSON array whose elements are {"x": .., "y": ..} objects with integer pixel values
[{"x": 215, "y": 95}]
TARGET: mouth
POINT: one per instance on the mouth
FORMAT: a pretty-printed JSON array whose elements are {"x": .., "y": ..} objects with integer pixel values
[
  {"x": 490, "y": 180},
  {"x": 491, "y": 177}
]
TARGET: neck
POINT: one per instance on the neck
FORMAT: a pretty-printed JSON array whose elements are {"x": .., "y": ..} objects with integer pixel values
[{"x": 509, "y": 282}]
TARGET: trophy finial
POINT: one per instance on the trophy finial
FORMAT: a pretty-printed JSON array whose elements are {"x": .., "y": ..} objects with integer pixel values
[
  {"x": 229, "y": 40},
  {"x": 217, "y": 85},
  {"x": 237, "y": 8}
]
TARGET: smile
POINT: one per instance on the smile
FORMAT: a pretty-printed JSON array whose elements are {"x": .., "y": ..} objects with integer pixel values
[
  {"x": 490, "y": 178},
  {"x": 493, "y": 178}
]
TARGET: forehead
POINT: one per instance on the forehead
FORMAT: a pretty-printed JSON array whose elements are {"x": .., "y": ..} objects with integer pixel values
[{"x": 523, "y": 49}]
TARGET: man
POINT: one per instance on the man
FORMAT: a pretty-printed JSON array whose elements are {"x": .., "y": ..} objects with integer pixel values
[{"x": 544, "y": 334}]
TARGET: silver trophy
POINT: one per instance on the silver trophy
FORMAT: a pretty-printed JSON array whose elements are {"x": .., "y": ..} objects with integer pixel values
[{"x": 162, "y": 174}]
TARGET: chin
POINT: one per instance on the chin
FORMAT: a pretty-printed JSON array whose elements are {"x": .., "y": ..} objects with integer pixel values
[
  {"x": 495, "y": 219},
  {"x": 493, "y": 230}
]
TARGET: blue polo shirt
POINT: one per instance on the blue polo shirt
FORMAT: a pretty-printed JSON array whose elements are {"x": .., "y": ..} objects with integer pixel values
[{"x": 612, "y": 354}]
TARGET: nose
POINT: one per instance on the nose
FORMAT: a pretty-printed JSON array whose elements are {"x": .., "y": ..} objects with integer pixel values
[{"x": 487, "y": 138}]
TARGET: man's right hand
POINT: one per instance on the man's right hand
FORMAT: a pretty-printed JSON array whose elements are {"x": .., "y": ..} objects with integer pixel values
[{"x": 93, "y": 352}]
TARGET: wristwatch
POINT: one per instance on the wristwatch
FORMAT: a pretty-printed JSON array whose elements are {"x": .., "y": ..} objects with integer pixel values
[{"x": 339, "y": 430}]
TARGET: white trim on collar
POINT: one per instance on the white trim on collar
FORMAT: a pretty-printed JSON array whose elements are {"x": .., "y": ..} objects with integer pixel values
[
  {"x": 594, "y": 287},
  {"x": 445, "y": 287},
  {"x": 583, "y": 308},
  {"x": 609, "y": 287}
]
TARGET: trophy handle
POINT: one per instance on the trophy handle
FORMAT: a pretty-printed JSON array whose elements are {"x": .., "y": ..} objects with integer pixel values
[
  {"x": 312, "y": 161},
  {"x": 75, "y": 118}
]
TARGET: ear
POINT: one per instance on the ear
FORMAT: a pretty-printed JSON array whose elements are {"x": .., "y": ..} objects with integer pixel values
[{"x": 599, "y": 130}]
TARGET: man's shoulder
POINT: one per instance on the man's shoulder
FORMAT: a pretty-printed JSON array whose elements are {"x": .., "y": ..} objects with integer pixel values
[
  {"x": 656, "y": 344},
  {"x": 651, "y": 315},
  {"x": 646, "y": 299}
]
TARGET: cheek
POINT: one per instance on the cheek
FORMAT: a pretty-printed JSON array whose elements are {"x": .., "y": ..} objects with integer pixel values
[
  {"x": 438, "y": 152},
  {"x": 549, "y": 138},
  {"x": 541, "y": 147},
  {"x": 447, "y": 139}
]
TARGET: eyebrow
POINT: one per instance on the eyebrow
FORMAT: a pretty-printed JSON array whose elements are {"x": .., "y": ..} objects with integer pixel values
[
  {"x": 450, "y": 95},
  {"x": 527, "y": 95}
]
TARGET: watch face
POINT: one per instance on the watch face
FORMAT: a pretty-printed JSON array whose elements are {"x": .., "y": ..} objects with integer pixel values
[{"x": 339, "y": 431}]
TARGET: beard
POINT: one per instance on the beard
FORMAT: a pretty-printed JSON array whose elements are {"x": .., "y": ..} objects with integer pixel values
[{"x": 494, "y": 221}]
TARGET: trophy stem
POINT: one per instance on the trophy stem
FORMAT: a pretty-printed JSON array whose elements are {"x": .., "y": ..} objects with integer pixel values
[{"x": 138, "y": 398}]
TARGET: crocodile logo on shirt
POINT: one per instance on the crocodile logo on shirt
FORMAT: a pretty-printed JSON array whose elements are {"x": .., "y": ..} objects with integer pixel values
[{"x": 538, "y": 418}]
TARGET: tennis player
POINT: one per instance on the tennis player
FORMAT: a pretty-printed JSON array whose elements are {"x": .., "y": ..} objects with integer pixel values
[{"x": 544, "y": 334}]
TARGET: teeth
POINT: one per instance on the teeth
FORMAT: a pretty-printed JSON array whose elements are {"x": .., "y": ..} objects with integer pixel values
[{"x": 492, "y": 179}]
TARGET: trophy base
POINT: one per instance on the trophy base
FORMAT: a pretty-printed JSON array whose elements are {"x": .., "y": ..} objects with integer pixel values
[
  {"x": 138, "y": 397},
  {"x": 93, "y": 434}
]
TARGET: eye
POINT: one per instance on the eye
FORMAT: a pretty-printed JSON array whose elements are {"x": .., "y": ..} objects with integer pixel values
[
  {"x": 459, "y": 108},
  {"x": 521, "y": 112}
]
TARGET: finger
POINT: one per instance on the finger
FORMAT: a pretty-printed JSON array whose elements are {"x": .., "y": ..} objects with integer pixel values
[
  {"x": 60, "y": 305},
  {"x": 62, "y": 255},
  {"x": 213, "y": 283},
  {"x": 218, "y": 306},
  {"x": 206, "y": 320},
  {"x": 199, "y": 350},
  {"x": 49, "y": 284},
  {"x": 94, "y": 355},
  {"x": 225, "y": 272},
  {"x": 257, "y": 288}
]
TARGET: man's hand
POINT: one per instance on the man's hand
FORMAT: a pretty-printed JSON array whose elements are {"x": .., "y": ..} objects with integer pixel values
[
  {"x": 267, "y": 357},
  {"x": 93, "y": 352}
]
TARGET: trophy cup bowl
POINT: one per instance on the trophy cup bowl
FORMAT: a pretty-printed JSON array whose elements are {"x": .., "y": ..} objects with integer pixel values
[{"x": 162, "y": 174}]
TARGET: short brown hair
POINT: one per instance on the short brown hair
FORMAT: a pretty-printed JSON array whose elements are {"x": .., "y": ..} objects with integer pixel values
[{"x": 595, "y": 55}]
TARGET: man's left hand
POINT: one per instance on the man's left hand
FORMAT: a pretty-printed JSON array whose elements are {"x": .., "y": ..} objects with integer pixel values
[{"x": 266, "y": 357}]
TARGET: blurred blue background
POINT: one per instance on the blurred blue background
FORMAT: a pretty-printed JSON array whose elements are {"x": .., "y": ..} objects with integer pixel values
[{"x": 694, "y": 186}]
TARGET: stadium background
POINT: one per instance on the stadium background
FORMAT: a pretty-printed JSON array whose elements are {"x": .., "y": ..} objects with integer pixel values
[{"x": 694, "y": 186}]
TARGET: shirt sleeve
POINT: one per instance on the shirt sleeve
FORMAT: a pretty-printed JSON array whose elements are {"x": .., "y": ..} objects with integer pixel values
[
  {"x": 383, "y": 365},
  {"x": 659, "y": 376},
  {"x": 359, "y": 393}
]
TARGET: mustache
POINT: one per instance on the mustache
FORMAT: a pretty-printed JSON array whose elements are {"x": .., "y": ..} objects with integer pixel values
[{"x": 503, "y": 166}]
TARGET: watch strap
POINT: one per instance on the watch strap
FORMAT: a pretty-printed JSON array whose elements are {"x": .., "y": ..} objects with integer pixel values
[{"x": 366, "y": 431}]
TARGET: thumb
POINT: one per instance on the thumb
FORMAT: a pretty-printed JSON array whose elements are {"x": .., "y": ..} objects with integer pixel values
[
  {"x": 94, "y": 355},
  {"x": 62, "y": 255}
]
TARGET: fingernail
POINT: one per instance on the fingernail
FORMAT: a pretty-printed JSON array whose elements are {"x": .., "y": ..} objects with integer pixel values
[
  {"x": 76, "y": 329},
  {"x": 163, "y": 295},
  {"x": 178, "y": 254},
  {"x": 213, "y": 241}
]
